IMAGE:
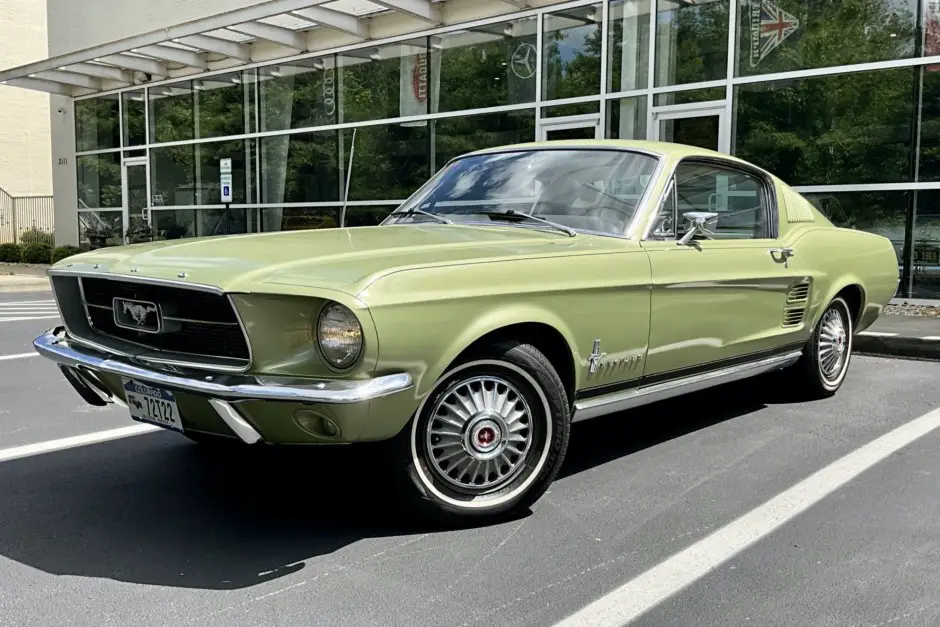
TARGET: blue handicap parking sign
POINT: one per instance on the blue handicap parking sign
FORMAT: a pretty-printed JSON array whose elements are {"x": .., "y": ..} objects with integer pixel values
[{"x": 225, "y": 191}]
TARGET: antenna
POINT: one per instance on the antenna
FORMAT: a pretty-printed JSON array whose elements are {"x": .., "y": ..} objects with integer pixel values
[{"x": 352, "y": 151}]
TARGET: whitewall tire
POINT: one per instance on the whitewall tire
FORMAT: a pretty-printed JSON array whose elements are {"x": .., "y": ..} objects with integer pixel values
[{"x": 490, "y": 437}]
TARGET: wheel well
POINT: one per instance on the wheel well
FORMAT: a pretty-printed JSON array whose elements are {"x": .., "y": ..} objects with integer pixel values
[
  {"x": 854, "y": 297},
  {"x": 544, "y": 337}
]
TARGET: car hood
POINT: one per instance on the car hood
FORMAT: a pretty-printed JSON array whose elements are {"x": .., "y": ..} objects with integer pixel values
[{"x": 346, "y": 259}]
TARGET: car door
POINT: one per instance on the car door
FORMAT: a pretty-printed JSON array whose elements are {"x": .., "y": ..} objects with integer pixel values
[{"x": 730, "y": 295}]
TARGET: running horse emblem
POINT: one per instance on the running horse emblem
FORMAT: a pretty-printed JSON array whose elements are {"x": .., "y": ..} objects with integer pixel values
[
  {"x": 139, "y": 313},
  {"x": 136, "y": 315}
]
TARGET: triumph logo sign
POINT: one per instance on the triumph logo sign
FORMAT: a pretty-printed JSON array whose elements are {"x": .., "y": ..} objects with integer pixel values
[
  {"x": 137, "y": 315},
  {"x": 770, "y": 26}
]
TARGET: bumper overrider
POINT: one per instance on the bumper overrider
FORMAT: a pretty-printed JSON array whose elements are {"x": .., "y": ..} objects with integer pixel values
[{"x": 348, "y": 401}]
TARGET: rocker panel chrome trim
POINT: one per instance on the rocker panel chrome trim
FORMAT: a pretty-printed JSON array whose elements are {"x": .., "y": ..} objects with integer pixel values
[{"x": 636, "y": 397}]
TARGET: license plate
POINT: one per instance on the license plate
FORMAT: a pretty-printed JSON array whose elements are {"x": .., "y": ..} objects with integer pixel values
[{"x": 152, "y": 404}]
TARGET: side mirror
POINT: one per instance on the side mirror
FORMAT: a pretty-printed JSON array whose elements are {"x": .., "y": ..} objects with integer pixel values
[{"x": 698, "y": 223}]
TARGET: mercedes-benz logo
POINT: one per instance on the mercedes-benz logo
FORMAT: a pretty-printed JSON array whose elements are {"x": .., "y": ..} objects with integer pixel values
[{"x": 522, "y": 62}]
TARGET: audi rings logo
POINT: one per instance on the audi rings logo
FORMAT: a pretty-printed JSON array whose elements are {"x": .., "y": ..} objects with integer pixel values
[
  {"x": 523, "y": 61},
  {"x": 329, "y": 91}
]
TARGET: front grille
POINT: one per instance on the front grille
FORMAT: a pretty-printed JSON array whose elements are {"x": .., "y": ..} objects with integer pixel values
[{"x": 195, "y": 322}]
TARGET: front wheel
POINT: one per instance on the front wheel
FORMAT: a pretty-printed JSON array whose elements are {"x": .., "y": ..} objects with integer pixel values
[
  {"x": 825, "y": 361},
  {"x": 490, "y": 437}
]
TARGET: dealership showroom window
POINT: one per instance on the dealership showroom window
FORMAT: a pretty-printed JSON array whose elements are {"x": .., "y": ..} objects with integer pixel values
[{"x": 838, "y": 98}]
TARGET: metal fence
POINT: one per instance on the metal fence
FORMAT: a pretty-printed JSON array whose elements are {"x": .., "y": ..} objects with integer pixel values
[{"x": 26, "y": 218}]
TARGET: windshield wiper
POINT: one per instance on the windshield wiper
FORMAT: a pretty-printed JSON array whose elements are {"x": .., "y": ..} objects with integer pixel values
[
  {"x": 512, "y": 213},
  {"x": 415, "y": 210}
]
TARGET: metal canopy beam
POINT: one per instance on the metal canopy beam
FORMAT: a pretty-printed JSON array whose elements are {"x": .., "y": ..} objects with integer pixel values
[
  {"x": 191, "y": 44},
  {"x": 421, "y": 9},
  {"x": 275, "y": 34},
  {"x": 139, "y": 64},
  {"x": 69, "y": 78},
  {"x": 336, "y": 20},
  {"x": 218, "y": 45},
  {"x": 176, "y": 55},
  {"x": 98, "y": 70},
  {"x": 196, "y": 27},
  {"x": 39, "y": 85}
]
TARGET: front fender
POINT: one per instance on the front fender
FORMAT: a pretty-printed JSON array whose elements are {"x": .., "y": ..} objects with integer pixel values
[
  {"x": 493, "y": 319},
  {"x": 425, "y": 319}
]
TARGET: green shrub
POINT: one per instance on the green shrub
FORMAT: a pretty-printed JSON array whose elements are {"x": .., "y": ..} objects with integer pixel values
[
  {"x": 62, "y": 252},
  {"x": 37, "y": 253},
  {"x": 11, "y": 253},
  {"x": 35, "y": 236}
]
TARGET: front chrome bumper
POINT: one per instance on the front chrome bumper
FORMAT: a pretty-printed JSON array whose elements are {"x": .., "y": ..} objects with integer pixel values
[{"x": 75, "y": 359}]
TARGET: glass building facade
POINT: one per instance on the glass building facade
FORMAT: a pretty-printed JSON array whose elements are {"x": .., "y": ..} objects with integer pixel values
[{"x": 836, "y": 98}]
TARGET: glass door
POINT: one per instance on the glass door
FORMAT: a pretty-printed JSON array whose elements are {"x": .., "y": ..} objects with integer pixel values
[
  {"x": 700, "y": 125},
  {"x": 572, "y": 127},
  {"x": 136, "y": 218}
]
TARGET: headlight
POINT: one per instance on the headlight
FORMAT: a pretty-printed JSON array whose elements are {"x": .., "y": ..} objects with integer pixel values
[{"x": 340, "y": 336}]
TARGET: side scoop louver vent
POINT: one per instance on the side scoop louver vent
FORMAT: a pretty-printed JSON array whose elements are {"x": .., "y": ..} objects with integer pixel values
[
  {"x": 797, "y": 297},
  {"x": 793, "y": 316},
  {"x": 798, "y": 293}
]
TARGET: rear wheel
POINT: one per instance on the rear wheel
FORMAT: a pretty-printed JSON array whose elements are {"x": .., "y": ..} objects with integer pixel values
[
  {"x": 490, "y": 437},
  {"x": 825, "y": 361}
]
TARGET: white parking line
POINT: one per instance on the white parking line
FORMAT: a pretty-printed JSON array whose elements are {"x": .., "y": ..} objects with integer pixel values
[
  {"x": 932, "y": 338},
  {"x": 682, "y": 569},
  {"x": 27, "y": 450},
  {"x": 19, "y": 318},
  {"x": 18, "y": 356},
  {"x": 877, "y": 333}
]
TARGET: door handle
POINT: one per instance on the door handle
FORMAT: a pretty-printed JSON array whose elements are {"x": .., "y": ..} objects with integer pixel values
[{"x": 783, "y": 253}]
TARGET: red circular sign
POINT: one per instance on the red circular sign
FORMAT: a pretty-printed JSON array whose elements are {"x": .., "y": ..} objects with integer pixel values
[{"x": 419, "y": 78}]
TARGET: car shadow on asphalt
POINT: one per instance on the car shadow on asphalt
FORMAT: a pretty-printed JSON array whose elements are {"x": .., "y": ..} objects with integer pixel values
[
  {"x": 157, "y": 509},
  {"x": 604, "y": 439}
]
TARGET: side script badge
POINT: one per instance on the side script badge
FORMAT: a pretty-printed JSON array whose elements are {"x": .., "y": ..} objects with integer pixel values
[
  {"x": 595, "y": 357},
  {"x": 596, "y": 360}
]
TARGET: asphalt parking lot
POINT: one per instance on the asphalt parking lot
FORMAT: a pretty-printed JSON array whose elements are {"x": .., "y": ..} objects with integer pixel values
[{"x": 698, "y": 511}]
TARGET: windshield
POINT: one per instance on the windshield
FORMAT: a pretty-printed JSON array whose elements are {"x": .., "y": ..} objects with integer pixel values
[{"x": 588, "y": 190}]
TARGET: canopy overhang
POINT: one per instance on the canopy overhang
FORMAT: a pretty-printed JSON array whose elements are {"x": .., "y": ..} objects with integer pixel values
[{"x": 268, "y": 31}]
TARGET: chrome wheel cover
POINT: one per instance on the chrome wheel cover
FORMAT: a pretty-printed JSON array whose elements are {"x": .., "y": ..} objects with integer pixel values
[
  {"x": 833, "y": 345},
  {"x": 478, "y": 434}
]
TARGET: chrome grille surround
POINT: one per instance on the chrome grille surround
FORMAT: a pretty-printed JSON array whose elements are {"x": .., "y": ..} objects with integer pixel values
[{"x": 79, "y": 316}]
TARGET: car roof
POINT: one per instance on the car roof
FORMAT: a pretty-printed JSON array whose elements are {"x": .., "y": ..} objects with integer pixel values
[{"x": 661, "y": 149}]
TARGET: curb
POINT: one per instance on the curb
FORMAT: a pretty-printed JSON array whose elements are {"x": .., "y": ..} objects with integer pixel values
[
  {"x": 37, "y": 270},
  {"x": 28, "y": 287},
  {"x": 889, "y": 344}
]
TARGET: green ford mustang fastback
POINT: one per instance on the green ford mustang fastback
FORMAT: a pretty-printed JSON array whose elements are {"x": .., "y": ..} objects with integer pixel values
[{"x": 521, "y": 289}]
